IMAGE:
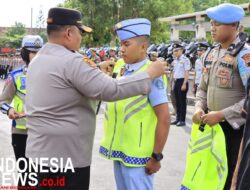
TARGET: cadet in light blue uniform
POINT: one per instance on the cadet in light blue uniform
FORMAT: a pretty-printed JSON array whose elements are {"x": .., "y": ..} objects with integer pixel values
[
  {"x": 202, "y": 48},
  {"x": 142, "y": 121},
  {"x": 225, "y": 73},
  {"x": 158, "y": 93},
  {"x": 180, "y": 74}
]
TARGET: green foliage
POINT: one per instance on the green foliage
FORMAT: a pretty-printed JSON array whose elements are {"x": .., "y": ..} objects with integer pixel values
[
  {"x": 43, "y": 35},
  {"x": 102, "y": 15},
  {"x": 13, "y": 37},
  {"x": 17, "y": 29}
]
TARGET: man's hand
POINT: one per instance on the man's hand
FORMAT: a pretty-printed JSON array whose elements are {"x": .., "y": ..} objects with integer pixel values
[
  {"x": 212, "y": 117},
  {"x": 152, "y": 166},
  {"x": 197, "y": 116},
  {"x": 157, "y": 68},
  {"x": 184, "y": 87},
  {"x": 12, "y": 114},
  {"x": 107, "y": 67}
]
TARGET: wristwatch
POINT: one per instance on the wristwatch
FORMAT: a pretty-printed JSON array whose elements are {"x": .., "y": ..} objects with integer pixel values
[{"x": 157, "y": 156}]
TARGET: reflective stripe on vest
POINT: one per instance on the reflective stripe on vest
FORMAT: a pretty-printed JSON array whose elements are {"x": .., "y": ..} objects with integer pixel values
[
  {"x": 206, "y": 164},
  {"x": 129, "y": 130},
  {"x": 19, "y": 79}
]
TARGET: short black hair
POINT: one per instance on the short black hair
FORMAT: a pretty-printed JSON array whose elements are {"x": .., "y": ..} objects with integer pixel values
[
  {"x": 55, "y": 28},
  {"x": 144, "y": 38}
]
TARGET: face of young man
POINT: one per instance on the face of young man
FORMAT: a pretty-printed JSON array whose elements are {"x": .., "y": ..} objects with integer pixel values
[
  {"x": 133, "y": 50},
  {"x": 177, "y": 53},
  {"x": 222, "y": 32},
  {"x": 200, "y": 52},
  {"x": 153, "y": 57},
  {"x": 112, "y": 53}
]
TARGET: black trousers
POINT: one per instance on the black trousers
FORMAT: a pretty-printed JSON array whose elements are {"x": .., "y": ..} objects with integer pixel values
[
  {"x": 181, "y": 99},
  {"x": 233, "y": 139},
  {"x": 19, "y": 147},
  {"x": 79, "y": 180}
]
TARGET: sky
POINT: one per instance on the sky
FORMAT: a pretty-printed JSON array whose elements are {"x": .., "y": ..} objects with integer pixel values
[{"x": 20, "y": 11}]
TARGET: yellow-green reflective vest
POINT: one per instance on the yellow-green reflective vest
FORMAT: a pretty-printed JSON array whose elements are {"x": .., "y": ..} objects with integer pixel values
[
  {"x": 129, "y": 130},
  {"x": 206, "y": 164},
  {"x": 120, "y": 63},
  {"x": 19, "y": 79},
  {"x": 165, "y": 79}
]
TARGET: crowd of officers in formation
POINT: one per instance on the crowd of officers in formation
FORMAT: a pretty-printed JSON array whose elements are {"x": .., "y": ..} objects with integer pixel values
[
  {"x": 8, "y": 62},
  {"x": 137, "y": 117}
]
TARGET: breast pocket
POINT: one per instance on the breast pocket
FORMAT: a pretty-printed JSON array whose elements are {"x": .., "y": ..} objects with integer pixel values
[
  {"x": 205, "y": 74},
  {"x": 224, "y": 77}
]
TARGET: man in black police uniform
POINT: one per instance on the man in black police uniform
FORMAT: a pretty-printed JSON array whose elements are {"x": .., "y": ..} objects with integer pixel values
[{"x": 180, "y": 76}]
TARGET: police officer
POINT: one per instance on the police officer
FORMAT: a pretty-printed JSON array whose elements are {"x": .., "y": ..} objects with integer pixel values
[
  {"x": 141, "y": 122},
  {"x": 201, "y": 49},
  {"x": 180, "y": 76},
  {"x": 153, "y": 56},
  {"x": 112, "y": 54},
  {"x": 222, "y": 90},
  {"x": 61, "y": 98},
  {"x": 94, "y": 56},
  {"x": 15, "y": 89}
]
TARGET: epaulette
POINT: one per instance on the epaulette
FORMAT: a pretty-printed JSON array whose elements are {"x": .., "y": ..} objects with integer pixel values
[
  {"x": 236, "y": 48},
  {"x": 89, "y": 61}
]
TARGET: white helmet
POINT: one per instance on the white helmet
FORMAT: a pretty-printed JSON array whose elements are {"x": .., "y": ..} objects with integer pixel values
[{"x": 32, "y": 42}]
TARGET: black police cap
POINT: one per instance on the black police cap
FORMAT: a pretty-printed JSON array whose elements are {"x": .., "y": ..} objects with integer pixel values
[
  {"x": 63, "y": 16},
  {"x": 202, "y": 46},
  {"x": 175, "y": 46}
]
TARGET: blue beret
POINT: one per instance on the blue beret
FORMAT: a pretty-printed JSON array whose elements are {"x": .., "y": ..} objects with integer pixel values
[
  {"x": 132, "y": 28},
  {"x": 226, "y": 13}
]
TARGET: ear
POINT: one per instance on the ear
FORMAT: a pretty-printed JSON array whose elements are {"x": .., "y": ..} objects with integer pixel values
[
  {"x": 68, "y": 33},
  {"x": 144, "y": 46}
]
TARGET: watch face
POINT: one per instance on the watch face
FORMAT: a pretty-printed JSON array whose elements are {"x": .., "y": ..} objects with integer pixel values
[{"x": 157, "y": 157}]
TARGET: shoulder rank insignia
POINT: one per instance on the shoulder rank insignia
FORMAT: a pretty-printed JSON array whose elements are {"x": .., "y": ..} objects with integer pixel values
[{"x": 89, "y": 62}]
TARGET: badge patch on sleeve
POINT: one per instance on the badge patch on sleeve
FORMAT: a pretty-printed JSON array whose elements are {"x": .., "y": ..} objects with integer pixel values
[
  {"x": 246, "y": 59},
  {"x": 23, "y": 83},
  {"x": 159, "y": 84},
  {"x": 244, "y": 65}
]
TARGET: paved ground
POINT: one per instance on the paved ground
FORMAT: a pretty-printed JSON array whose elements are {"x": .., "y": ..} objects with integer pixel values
[{"x": 173, "y": 164}]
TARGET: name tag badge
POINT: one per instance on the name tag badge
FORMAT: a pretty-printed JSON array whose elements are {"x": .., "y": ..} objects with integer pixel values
[{"x": 23, "y": 83}]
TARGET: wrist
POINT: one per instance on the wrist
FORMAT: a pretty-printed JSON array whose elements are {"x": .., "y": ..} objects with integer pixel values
[
  {"x": 9, "y": 110},
  {"x": 157, "y": 156},
  {"x": 150, "y": 74},
  {"x": 221, "y": 115}
]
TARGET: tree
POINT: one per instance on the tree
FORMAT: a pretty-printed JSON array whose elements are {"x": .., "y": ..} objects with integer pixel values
[
  {"x": 102, "y": 15},
  {"x": 40, "y": 20},
  {"x": 13, "y": 37},
  {"x": 17, "y": 29}
]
